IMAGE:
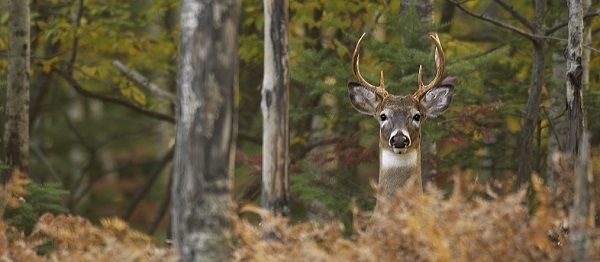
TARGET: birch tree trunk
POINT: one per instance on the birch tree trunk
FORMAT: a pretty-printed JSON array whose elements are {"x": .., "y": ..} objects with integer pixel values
[
  {"x": 274, "y": 105},
  {"x": 202, "y": 209},
  {"x": 16, "y": 132},
  {"x": 574, "y": 75},
  {"x": 582, "y": 216}
]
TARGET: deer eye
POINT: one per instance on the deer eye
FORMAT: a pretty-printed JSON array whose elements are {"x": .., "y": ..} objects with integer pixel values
[
  {"x": 383, "y": 117},
  {"x": 417, "y": 117}
]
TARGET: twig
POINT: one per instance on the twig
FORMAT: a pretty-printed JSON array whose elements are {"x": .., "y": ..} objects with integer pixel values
[
  {"x": 142, "y": 80},
  {"x": 565, "y": 40},
  {"x": 494, "y": 21},
  {"x": 565, "y": 23},
  {"x": 82, "y": 91},
  {"x": 38, "y": 152},
  {"x": 149, "y": 183},
  {"x": 515, "y": 14},
  {"x": 543, "y": 108},
  {"x": 75, "y": 38},
  {"x": 162, "y": 210}
]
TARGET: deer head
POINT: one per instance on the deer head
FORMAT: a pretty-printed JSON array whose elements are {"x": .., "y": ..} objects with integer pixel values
[{"x": 400, "y": 119}]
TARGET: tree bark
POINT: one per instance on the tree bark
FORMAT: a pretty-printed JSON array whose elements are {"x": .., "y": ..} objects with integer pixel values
[
  {"x": 447, "y": 16},
  {"x": 202, "y": 209},
  {"x": 533, "y": 101},
  {"x": 274, "y": 105},
  {"x": 582, "y": 216},
  {"x": 16, "y": 133},
  {"x": 574, "y": 75}
]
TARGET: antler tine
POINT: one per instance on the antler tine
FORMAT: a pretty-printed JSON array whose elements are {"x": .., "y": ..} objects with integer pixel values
[
  {"x": 440, "y": 61},
  {"x": 379, "y": 90}
]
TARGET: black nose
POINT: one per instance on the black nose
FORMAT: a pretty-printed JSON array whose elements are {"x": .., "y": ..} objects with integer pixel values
[{"x": 399, "y": 141}]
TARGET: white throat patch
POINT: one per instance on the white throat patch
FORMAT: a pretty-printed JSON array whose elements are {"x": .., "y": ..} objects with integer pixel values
[{"x": 390, "y": 159}]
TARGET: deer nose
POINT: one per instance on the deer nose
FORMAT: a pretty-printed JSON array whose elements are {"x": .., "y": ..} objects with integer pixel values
[{"x": 399, "y": 141}]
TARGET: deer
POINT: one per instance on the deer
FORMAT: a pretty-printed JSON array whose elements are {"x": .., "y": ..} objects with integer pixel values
[{"x": 400, "y": 119}]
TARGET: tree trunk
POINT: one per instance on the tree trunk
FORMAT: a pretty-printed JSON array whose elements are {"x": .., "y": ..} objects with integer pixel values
[
  {"x": 574, "y": 75},
  {"x": 533, "y": 101},
  {"x": 447, "y": 16},
  {"x": 16, "y": 133},
  {"x": 274, "y": 105},
  {"x": 582, "y": 216},
  {"x": 424, "y": 8},
  {"x": 202, "y": 209}
]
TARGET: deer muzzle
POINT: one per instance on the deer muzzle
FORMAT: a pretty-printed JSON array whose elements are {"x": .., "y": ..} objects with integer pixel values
[{"x": 399, "y": 142}]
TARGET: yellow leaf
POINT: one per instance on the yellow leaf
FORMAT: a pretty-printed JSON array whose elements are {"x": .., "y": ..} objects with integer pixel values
[
  {"x": 46, "y": 67},
  {"x": 138, "y": 96},
  {"x": 512, "y": 124},
  {"x": 126, "y": 92}
]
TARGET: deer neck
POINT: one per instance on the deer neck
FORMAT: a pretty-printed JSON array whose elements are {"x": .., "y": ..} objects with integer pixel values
[{"x": 396, "y": 169}]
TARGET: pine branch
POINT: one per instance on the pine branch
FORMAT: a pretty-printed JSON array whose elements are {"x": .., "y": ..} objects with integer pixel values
[
  {"x": 493, "y": 21},
  {"x": 86, "y": 93}
]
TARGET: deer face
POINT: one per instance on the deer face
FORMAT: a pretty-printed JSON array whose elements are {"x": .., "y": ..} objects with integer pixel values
[{"x": 400, "y": 117}]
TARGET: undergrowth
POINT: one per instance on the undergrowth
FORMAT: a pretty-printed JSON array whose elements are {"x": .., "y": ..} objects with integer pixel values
[
  {"x": 474, "y": 222},
  {"x": 73, "y": 238},
  {"x": 424, "y": 227}
]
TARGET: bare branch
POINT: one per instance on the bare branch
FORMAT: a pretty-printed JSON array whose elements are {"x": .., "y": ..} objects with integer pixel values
[
  {"x": 162, "y": 210},
  {"x": 82, "y": 91},
  {"x": 494, "y": 21},
  {"x": 149, "y": 183},
  {"x": 516, "y": 14},
  {"x": 565, "y": 23},
  {"x": 142, "y": 80},
  {"x": 38, "y": 152},
  {"x": 596, "y": 50},
  {"x": 75, "y": 37}
]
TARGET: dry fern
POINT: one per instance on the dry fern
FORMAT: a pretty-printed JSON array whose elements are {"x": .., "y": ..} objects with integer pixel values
[
  {"x": 76, "y": 239},
  {"x": 421, "y": 227}
]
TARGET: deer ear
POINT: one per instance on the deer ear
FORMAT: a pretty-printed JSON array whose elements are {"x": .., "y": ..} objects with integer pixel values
[
  {"x": 437, "y": 100},
  {"x": 363, "y": 99}
]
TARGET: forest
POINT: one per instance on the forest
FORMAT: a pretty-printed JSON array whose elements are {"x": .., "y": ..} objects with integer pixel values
[{"x": 197, "y": 130}]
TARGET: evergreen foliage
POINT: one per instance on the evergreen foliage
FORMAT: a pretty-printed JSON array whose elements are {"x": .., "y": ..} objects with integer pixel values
[
  {"x": 39, "y": 199},
  {"x": 477, "y": 110},
  {"x": 334, "y": 148}
]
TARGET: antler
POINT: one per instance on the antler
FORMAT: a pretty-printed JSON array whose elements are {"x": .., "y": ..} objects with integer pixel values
[
  {"x": 379, "y": 90},
  {"x": 439, "y": 62}
]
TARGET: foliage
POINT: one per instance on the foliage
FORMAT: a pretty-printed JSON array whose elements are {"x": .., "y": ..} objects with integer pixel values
[
  {"x": 102, "y": 152},
  {"x": 321, "y": 72},
  {"x": 28, "y": 204},
  {"x": 74, "y": 238},
  {"x": 424, "y": 227}
]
